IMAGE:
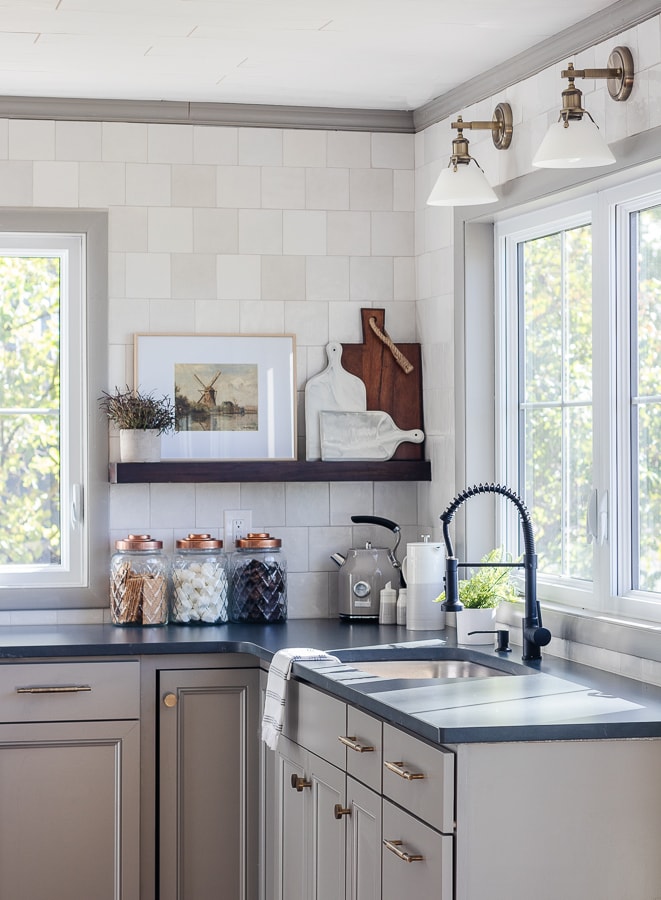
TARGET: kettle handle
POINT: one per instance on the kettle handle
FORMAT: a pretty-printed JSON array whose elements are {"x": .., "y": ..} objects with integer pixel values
[{"x": 376, "y": 520}]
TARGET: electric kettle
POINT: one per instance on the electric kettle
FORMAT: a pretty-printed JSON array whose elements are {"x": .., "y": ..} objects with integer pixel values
[{"x": 365, "y": 571}]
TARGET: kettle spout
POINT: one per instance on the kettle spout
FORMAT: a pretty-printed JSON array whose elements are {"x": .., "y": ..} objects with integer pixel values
[{"x": 338, "y": 558}]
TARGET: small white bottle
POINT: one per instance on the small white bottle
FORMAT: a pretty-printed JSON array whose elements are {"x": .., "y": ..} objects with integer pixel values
[
  {"x": 401, "y": 606},
  {"x": 388, "y": 605}
]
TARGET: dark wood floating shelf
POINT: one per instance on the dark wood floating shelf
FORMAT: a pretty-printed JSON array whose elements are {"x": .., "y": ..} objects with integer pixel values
[{"x": 177, "y": 471}]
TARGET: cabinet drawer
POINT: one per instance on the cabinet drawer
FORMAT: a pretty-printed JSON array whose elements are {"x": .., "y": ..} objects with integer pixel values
[
  {"x": 404, "y": 873},
  {"x": 364, "y": 742},
  {"x": 314, "y": 720},
  {"x": 419, "y": 777},
  {"x": 60, "y": 692}
]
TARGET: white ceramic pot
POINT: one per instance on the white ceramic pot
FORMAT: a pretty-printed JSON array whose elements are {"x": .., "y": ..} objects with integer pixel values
[
  {"x": 139, "y": 445},
  {"x": 476, "y": 620}
]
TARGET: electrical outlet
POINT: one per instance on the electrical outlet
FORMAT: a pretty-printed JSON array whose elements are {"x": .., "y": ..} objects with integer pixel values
[{"x": 237, "y": 524}]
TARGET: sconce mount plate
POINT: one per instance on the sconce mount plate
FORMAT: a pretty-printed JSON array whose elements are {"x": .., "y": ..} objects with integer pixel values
[{"x": 620, "y": 87}]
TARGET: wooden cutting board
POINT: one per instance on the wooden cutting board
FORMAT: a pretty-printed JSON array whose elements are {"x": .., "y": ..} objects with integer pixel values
[{"x": 388, "y": 387}]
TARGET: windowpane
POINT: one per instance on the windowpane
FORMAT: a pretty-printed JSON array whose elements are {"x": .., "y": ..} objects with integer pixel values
[
  {"x": 555, "y": 396},
  {"x": 30, "y": 531},
  {"x": 646, "y": 400}
]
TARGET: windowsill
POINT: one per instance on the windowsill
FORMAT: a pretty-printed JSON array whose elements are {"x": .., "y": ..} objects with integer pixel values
[{"x": 606, "y": 632}]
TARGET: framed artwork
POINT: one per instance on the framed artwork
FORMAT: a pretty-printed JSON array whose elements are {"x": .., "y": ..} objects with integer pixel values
[{"x": 234, "y": 395}]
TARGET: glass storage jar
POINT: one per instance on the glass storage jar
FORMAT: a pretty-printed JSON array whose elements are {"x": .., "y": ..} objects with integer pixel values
[
  {"x": 258, "y": 580},
  {"x": 139, "y": 582},
  {"x": 199, "y": 581}
]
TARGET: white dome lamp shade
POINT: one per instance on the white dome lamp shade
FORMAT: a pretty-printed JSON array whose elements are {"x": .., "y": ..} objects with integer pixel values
[
  {"x": 463, "y": 183},
  {"x": 574, "y": 141}
]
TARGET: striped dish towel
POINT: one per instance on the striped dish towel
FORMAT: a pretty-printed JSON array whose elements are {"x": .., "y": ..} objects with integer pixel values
[{"x": 276, "y": 689}]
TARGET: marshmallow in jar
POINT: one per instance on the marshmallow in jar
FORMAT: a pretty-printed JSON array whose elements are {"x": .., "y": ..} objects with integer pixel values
[{"x": 199, "y": 581}]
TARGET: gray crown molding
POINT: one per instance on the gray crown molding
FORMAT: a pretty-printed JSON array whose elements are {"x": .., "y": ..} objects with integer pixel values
[
  {"x": 614, "y": 20},
  {"x": 596, "y": 28},
  {"x": 183, "y": 113}
]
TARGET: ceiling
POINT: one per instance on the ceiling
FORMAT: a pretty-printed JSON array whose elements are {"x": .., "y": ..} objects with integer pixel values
[{"x": 369, "y": 54}]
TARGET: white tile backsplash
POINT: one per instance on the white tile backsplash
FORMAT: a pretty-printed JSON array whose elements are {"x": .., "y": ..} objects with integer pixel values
[
  {"x": 125, "y": 142},
  {"x": 31, "y": 140},
  {"x": 56, "y": 183},
  {"x": 102, "y": 184},
  {"x": 78, "y": 141}
]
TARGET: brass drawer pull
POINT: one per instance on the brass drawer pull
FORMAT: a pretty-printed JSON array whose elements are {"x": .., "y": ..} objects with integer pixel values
[
  {"x": 53, "y": 689},
  {"x": 398, "y": 769},
  {"x": 339, "y": 811},
  {"x": 170, "y": 700},
  {"x": 353, "y": 744},
  {"x": 299, "y": 783},
  {"x": 394, "y": 846}
]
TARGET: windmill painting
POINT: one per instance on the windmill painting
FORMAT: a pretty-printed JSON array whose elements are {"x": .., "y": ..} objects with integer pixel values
[{"x": 216, "y": 397}]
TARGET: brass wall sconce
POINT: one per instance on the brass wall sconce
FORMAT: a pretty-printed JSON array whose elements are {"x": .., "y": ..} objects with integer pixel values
[
  {"x": 574, "y": 141},
  {"x": 463, "y": 184}
]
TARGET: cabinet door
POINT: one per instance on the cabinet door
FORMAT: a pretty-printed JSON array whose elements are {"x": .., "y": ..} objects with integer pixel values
[
  {"x": 327, "y": 832},
  {"x": 417, "y": 860},
  {"x": 363, "y": 843},
  {"x": 69, "y": 816},
  {"x": 292, "y": 814},
  {"x": 208, "y": 784}
]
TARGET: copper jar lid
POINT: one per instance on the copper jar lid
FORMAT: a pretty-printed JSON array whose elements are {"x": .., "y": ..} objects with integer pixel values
[
  {"x": 198, "y": 542},
  {"x": 258, "y": 540},
  {"x": 138, "y": 542}
]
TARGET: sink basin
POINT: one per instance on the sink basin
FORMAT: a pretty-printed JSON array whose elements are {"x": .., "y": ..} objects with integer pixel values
[{"x": 428, "y": 668}]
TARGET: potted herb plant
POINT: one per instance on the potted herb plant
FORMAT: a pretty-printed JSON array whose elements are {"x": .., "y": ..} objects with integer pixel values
[
  {"x": 141, "y": 420},
  {"x": 481, "y": 596}
]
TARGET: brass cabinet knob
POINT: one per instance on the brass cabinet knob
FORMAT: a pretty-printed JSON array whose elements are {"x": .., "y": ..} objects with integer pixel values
[
  {"x": 339, "y": 811},
  {"x": 170, "y": 700},
  {"x": 299, "y": 783}
]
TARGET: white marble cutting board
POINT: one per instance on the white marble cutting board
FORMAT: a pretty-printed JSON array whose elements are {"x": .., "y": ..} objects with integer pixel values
[
  {"x": 362, "y": 435},
  {"x": 332, "y": 389}
]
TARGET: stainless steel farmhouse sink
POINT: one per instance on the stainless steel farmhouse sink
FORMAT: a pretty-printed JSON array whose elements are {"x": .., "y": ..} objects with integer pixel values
[{"x": 428, "y": 668}]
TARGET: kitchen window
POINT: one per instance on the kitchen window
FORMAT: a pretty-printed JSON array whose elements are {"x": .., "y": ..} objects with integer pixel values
[
  {"x": 47, "y": 477},
  {"x": 580, "y": 387}
]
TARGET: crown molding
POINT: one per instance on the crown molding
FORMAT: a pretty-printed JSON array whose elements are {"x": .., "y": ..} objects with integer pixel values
[
  {"x": 599, "y": 27},
  {"x": 183, "y": 113}
]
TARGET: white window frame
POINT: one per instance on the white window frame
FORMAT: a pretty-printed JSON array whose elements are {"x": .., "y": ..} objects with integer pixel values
[
  {"x": 608, "y": 210},
  {"x": 80, "y": 239}
]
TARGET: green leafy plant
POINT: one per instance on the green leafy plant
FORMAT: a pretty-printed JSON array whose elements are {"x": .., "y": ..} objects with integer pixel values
[
  {"x": 131, "y": 409},
  {"x": 489, "y": 586}
]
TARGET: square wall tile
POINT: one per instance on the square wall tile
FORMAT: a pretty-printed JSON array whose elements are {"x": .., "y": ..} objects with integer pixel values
[
  {"x": 345, "y": 322},
  {"x": 173, "y": 316},
  {"x": 303, "y": 148},
  {"x": 193, "y": 185},
  {"x": 170, "y": 143},
  {"x": 283, "y": 277},
  {"x": 215, "y": 230},
  {"x": 349, "y": 149},
  {"x": 260, "y": 231},
  {"x": 78, "y": 141},
  {"x": 170, "y": 230},
  {"x": 125, "y": 141},
  {"x": 393, "y": 151},
  {"x": 371, "y": 189},
  {"x": 217, "y": 316},
  {"x": 392, "y": 234},
  {"x": 307, "y": 595},
  {"x": 283, "y": 187},
  {"x": 267, "y": 502},
  {"x": 262, "y": 317},
  {"x": 148, "y": 275},
  {"x": 31, "y": 140},
  {"x": 371, "y": 279},
  {"x": 307, "y": 503},
  {"x": 327, "y": 278},
  {"x": 238, "y": 187},
  {"x": 102, "y": 184},
  {"x": 211, "y": 501},
  {"x": 350, "y": 499},
  {"x": 16, "y": 183},
  {"x": 127, "y": 229},
  {"x": 193, "y": 276},
  {"x": 304, "y": 232},
  {"x": 307, "y": 320},
  {"x": 349, "y": 233},
  {"x": 397, "y": 501},
  {"x": 294, "y": 546},
  {"x": 172, "y": 506},
  {"x": 260, "y": 146},
  {"x": 239, "y": 277},
  {"x": 129, "y": 508},
  {"x": 327, "y": 188},
  {"x": 325, "y": 541},
  {"x": 148, "y": 185},
  {"x": 215, "y": 145},
  {"x": 55, "y": 183}
]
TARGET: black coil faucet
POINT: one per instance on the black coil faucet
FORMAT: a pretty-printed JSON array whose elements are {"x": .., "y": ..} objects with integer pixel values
[{"x": 535, "y": 636}]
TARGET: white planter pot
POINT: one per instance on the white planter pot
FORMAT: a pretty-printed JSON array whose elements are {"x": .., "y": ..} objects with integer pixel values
[
  {"x": 476, "y": 620},
  {"x": 139, "y": 445}
]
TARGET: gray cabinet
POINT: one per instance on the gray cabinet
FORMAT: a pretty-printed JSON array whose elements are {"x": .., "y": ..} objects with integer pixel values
[
  {"x": 69, "y": 781},
  {"x": 208, "y": 784}
]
